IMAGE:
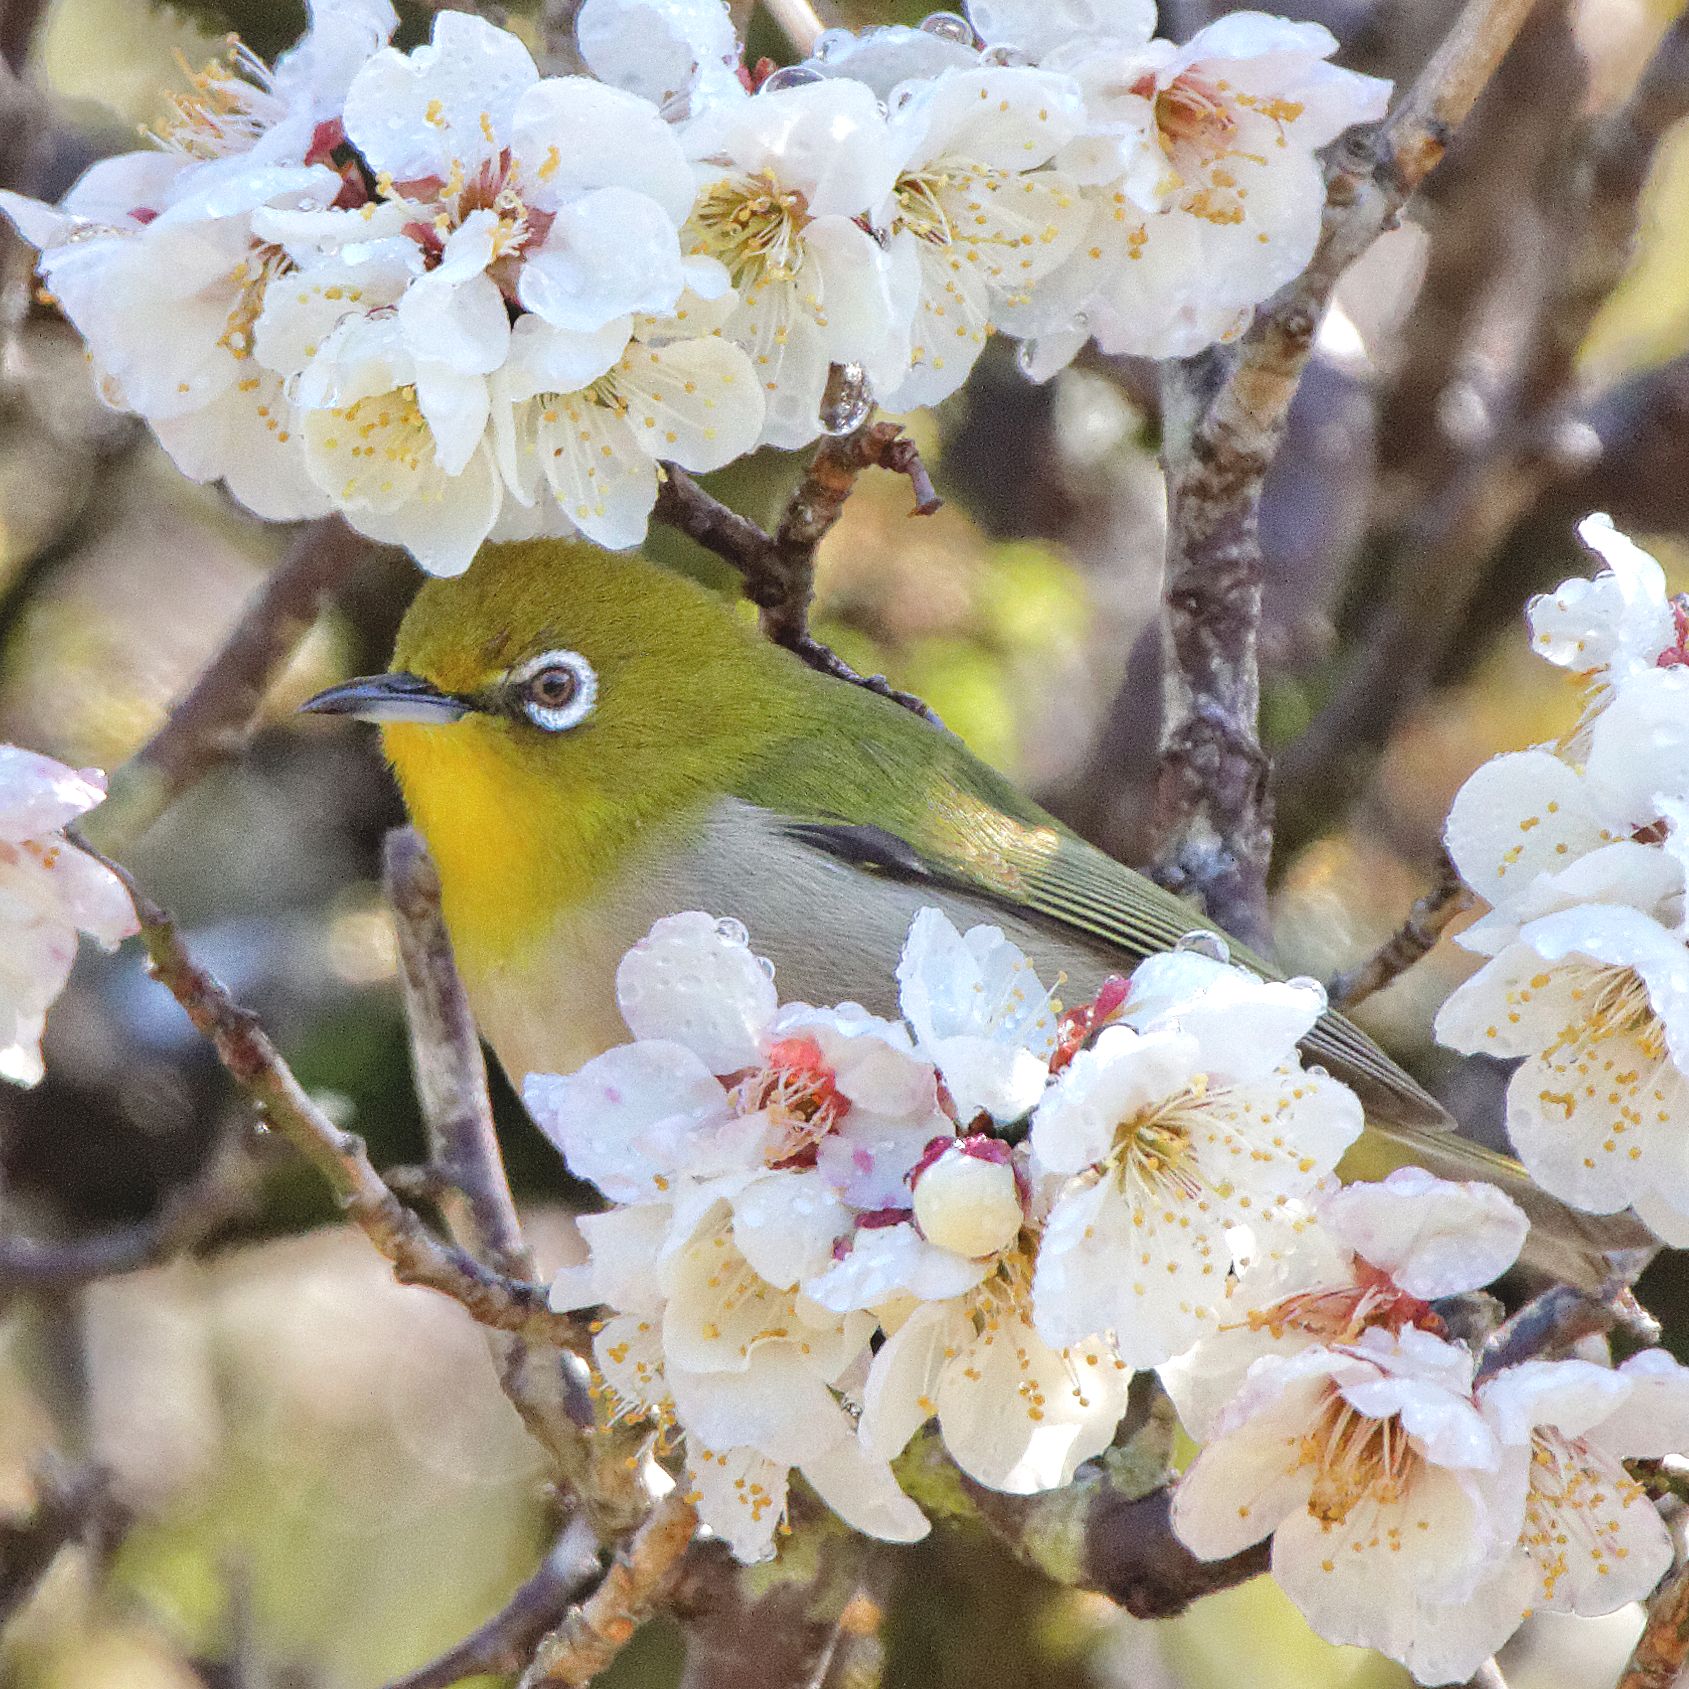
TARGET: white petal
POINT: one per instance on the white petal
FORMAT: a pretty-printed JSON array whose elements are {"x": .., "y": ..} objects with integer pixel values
[
  {"x": 544, "y": 359},
  {"x": 625, "y": 1119},
  {"x": 786, "y": 1224},
  {"x": 1036, "y": 26},
  {"x": 1433, "y": 1237},
  {"x": 39, "y": 796},
  {"x": 995, "y": 118},
  {"x": 696, "y": 981},
  {"x": 862, "y": 1492},
  {"x": 609, "y": 253},
  {"x": 885, "y": 1262},
  {"x": 693, "y": 402},
  {"x": 573, "y": 135},
  {"x": 1120, "y": 1075},
  {"x": 599, "y": 473}
]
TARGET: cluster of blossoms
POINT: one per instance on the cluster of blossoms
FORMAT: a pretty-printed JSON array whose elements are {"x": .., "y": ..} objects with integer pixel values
[
  {"x": 1580, "y": 850},
  {"x": 828, "y": 1229},
  {"x": 49, "y": 893},
  {"x": 454, "y": 299}
]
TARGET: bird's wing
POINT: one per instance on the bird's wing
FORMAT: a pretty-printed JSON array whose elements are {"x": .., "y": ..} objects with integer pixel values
[{"x": 1042, "y": 872}]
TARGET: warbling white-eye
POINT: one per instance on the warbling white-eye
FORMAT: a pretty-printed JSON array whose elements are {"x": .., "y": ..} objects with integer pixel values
[{"x": 588, "y": 742}]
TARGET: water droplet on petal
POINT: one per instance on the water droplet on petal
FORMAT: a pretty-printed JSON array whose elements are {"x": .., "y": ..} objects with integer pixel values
[
  {"x": 733, "y": 931},
  {"x": 1306, "y": 982},
  {"x": 1205, "y": 943},
  {"x": 848, "y": 401},
  {"x": 766, "y": 966},
  {"x": 1006, "y": 55},
  {"x": 949, "y": 26},
  {"x": 831, "y": 41},
  {"x": 789, "y": 76}
]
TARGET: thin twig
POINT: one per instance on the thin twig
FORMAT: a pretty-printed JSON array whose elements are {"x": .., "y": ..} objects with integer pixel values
[
  {"x": 257, "y": 1068},
  {"x": 683, "y": 505},
  {"x": 784, "y": 590},
  {"x": 213, "y": 724},
  {"x": 506, "y": 1642},
  {"x": 1487, "y": 1676},
  {"x": 224, "y": 1189},
  {"x": 1410, "y": 944},
  {"x": 1662, "y": 1651},
  {"x": 597, "y": 1630}
]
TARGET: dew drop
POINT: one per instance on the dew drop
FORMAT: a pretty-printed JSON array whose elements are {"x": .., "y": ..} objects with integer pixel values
[
  {"x": 848, "y": 401},
  {"x": 949, "y": 26},
  {"x": 1306, "y": 982},
  {"x": 1205, "y": 943},
  {"x": 1006, "y": 55},
  {"x": 789, "y": 76},
  {"x": 733, "y": 931},
  {"x": 766, "y": 966},
  {"x": 830, "y": 42}
]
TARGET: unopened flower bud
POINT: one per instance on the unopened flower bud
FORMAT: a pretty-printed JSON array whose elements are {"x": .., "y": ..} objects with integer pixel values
[{"x": 967, "y": 1198}]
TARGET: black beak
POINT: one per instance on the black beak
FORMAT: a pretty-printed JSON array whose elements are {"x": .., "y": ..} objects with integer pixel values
[{"x": 390, "y": 697}]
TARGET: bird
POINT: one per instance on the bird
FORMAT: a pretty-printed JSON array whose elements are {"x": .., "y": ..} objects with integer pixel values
[{"x": 588, "y": 742}]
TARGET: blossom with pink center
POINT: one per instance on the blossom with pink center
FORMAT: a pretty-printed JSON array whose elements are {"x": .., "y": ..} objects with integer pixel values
[
  {"x": 1376, "y": 1255},
  {"x": 49, "y": 892}
]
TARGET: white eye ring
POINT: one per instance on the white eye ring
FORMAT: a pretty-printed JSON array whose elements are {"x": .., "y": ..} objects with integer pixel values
[{"x": 572, "y": 707}]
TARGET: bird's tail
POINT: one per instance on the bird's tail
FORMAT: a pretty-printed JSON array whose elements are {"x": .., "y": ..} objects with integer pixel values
[{"x": 1587, "y": 1251}]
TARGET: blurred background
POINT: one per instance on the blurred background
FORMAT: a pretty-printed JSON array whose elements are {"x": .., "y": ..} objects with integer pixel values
[{"x": 315, "y": 1482}]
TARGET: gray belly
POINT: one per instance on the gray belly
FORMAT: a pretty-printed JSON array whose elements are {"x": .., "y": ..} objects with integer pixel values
[{"x": 833, "y": 932}]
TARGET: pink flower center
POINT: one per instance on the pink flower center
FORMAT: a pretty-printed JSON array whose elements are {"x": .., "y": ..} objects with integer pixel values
[
  {"x": 1342, "y": 1312},
  {"x": 1676, "y": 655},
  {"x": 1191, "y": 111},
  {"x": 799, "y": 1092}
]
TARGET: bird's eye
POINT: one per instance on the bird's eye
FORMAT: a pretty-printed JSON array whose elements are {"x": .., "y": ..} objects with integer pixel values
[{"x": 556, "y": 690}]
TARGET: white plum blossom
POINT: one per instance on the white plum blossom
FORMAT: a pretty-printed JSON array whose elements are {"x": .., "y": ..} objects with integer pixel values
[
  {"x": 1380, "y": 1482},
  {"x": 1596, "y": 999},
  {"x": 1175, "y": 1133},
  {"x": 582, "y": 422},
  {"x": 1205, "y": 185},
  {"x": 893, "y": 60},
  {"x": 786, "y": 182},
  {"x": 723, "y": 1079},
  {"x": 1591, "y": 1540},
  {"x": 749, "y": 1384},
  {"x": 49, "y": 892},
  {"x": 1621, "y": 623},
  {"x": 1016, "y": 1413},
  {"x": 1038, "y": 27},
  {"x": 1375, "y": 1255},
  {"x": 974, "y": 223},
  {"x": 979, "y": 1014}
]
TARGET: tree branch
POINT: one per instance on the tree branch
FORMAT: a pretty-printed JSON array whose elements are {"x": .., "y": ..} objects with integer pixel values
[
  {"x": 257, "y": 1068},
  {"x": 73, "y": 1505},
  {"x": 798, "y": 21},
  {"x": 639, "y": 1577},
  {"x": 213, "y": 724},
  {"x": 1562, "y": 1316},
  {"x": 1224, "y": 420},
  {"x": 1663, "y": 1648},
  {"x": 506, "y": 1642},
  {"x": 1410, "y": 944},
  {"x": 683, "y": 505}
]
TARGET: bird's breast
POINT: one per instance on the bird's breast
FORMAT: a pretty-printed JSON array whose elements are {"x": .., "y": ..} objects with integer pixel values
[{"x": 833, "y": 932}]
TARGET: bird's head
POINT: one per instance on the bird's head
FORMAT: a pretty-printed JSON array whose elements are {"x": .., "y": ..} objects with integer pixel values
[{"x": 556, "y": 706}]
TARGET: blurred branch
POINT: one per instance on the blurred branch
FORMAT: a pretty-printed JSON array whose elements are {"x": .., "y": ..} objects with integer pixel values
[
  {"x": 1562, "y": 1316},
  {"x": 800, "y": 1614},
  {"x": 1662, "y": 1652},
  {"x": 560, "y": 53},
  {"x": 506, "y": 1642},
  {"x": 213, "y": 724},
  {"x": 1410, "y": 944},
  {"x": 257, "y": 1068},
  {"x": 224, "y": 1189},
  {"x": 640, "y": 1575},
  {"x": 18, "y": 22},
  {"x": 683, "y": 505},
  {"x": 1439, "y": 561},
  {"x": 1224, "y": 420},
  {"x": 798, "y": 21},
  {"x": 451, "y": 1073},
  {"x": 73, "y": 1505}
]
